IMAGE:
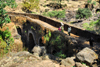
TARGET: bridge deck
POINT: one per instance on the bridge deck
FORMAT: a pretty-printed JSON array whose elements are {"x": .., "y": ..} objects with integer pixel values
[{"x": 82, "y": 39}]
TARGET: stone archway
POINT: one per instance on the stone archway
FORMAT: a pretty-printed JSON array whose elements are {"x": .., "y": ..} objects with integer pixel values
[
  {"x": 19, "y": 30},
  {"x": 40, "y": 42},
  {"x": 31, "y": 42}
]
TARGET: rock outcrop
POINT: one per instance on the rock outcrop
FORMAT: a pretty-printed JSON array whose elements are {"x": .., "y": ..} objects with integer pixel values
[
  {"x": 87, "y": 55},
  {"x": 39, "y": 50},
  {"x": 68, "y": 62},
  {"x": 78, "y": 64},
  {"x": 25, "y": 59}
]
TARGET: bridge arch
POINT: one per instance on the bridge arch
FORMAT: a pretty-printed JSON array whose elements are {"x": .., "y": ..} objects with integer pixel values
[
  {"x": 31, "y": 40},
  {"x": 19, "y": 30},
  {"x": 40, "y": 41}
]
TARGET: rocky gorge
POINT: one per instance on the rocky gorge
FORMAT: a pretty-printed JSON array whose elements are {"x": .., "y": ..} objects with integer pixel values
[{"x": 85, "y": 57}]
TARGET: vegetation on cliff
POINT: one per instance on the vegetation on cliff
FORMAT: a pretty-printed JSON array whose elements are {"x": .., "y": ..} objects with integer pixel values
[{"x": 5, "y": 36}]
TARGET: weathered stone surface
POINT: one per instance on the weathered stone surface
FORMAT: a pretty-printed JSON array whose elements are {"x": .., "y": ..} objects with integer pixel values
[
  {"x": 39, "y": 50},
  {"x": 23, "y": 53},
  {"x": 87, "y": 55},
  {"x": 77, "y": 64},
  {"x": 44, "y": 63},
  {"x": 43, "y": 50},
  {"x": 62, "y": 66},
  {"x": 68, "y": 62}
]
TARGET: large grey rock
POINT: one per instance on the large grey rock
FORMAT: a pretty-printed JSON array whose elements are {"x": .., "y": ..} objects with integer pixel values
[
  {"x": 36, "y": 50},
  {"x": 86, "y": 55},
  {"x": 39, "y": 50},
  {"x": 68, "y": 62}
]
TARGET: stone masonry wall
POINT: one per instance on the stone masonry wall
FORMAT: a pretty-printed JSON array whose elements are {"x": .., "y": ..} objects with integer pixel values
[{"x": 75, "y": 30}]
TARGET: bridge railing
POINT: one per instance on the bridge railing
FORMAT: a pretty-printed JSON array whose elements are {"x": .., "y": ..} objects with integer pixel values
[{"x": 75, "y": 30}]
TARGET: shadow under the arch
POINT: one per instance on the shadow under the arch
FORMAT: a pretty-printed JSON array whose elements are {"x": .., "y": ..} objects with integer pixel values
[{"x": 31, "y": 42}]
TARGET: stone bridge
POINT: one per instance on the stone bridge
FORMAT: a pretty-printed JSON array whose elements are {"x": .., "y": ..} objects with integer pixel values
[{"x": 32, "y": 27}]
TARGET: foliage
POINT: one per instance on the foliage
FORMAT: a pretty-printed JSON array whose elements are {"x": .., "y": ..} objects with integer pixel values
[
  {"x": 29, "y": 5},
  {"x": 10, "y": 3},
  {"x": 57, "y": 41},
  {"x": 83, "y": 13},
  {"x": 84, "y": 63},
  {"x": 90, "y": 4},
  {"x": 5, "y": 42},
  {"x": 47, "y": 37},
  {"x": 93, "y": 26},
  {"x": 5, "y": 36},
  {"x": 94, "y": 2},
  {"x": 2, "y": 46},
  {"x": 59, "y": 54},
  {"x": 57, "y": 14},
  {"x": 89, "y": 1},
  {"x": 4, "y": 18}
]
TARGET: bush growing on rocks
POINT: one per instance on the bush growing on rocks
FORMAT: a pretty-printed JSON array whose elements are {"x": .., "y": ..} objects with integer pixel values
[
  {"x": 93, "y": 26},
  {"x": 57, "y": 14},
  {"x": 83, "y": 13}
]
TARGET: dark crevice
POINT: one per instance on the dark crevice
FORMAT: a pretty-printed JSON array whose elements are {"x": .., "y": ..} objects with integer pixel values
[
  {"x": 40, "y": 42},
  {"x": 31, "y": 42},
  {"x": 19, "y": 30}
]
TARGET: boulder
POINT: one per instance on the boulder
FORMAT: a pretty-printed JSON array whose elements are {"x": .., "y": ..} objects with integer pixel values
[
  {"x": 36, "y": 50},
  {"x": 86, "y": 55},
  {"x": 68, "y": 62},
  {"x": 77, "y": 64},
  {"x": 39, "y": 50}
]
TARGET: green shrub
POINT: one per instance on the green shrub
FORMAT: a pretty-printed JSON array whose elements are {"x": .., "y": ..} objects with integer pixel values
[
  {"x": 59, "y": 54},
  {"x": 5, "y": 41},
  {"x": 30, "y": 5},
  {"x": 94, "y": 2},
  {"x": 47, "y": 37},
  {"x": 87, "y": 26},
  {"x": 89, "y": 1},
  {"x": 83, "y": 13},
  {"x": 4, "y": 18},
  {"x": 57, "y": 14},
  {"x": 93, "y": 26}
]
